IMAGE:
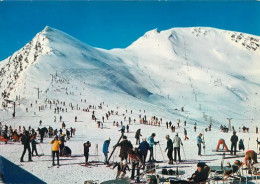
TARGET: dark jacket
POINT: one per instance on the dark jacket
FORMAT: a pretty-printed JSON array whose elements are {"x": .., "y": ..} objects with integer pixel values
[
  {"x": 125, "y": 146},
  {"x": 241, "y": 145},
  {"x": 138, "y": 134},
  {"x": 234, "y": 139},
  {"x": 201, "y": 176},
  {"x": 34, "y": 143},
  {"x": 169, "y": 144},
  {"x": 86, "y": 148},
  {"x": 26, "y": 140}
]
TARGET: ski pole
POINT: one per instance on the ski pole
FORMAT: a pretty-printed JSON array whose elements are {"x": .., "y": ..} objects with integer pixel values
[
  {"x": 161, "y": 151},
  {"x": 155, "y": 152},
  {"x": 115, "y": 147},
  {"x": 183, "y": 152}
]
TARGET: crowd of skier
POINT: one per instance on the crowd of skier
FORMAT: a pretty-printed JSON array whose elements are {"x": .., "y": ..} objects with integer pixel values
[{"x": 136, "y": 155}]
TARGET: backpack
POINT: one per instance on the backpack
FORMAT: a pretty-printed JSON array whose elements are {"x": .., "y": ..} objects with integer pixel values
[{"x": 164, "y": 171}]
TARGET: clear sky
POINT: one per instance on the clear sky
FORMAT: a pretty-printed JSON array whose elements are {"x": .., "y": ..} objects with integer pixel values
[{"x": 117, "y": 24}]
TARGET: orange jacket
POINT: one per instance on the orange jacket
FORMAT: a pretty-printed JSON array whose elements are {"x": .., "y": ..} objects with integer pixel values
[{"x": 56, "y": 145}]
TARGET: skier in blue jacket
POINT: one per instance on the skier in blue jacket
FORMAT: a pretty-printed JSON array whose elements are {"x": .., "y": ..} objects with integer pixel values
[
  {"x": 199, "y": 141},
  {"x": 105, "y": 149},
  {"x": 143, "y": 149},
  {"x": 151, "y": 144}
]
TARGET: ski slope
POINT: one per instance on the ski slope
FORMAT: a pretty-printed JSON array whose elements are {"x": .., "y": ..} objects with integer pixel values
[{"x": 214, "y": 74}]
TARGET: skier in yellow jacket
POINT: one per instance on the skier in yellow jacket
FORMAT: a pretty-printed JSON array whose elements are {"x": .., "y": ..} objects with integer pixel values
[{"x": 55, "y": 149}]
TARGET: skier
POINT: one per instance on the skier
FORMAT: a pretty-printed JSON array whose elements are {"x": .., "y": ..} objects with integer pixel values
[
  {"x": 169, "y": 148},
  {"x": 234, "y": 140},
  {"x": 105, "y": 149},
  {"x": 176, "y": 144},
  {"x": 185, "y": 135},
  {"x": 62, "y": 140},
  {"x": 136, "y": 161},
  {"x": 122, "y": 129},
  {"x": 33, "y": 142},
  {"x": 86, "y": 146},
  {"x": 68, "y": 134},
  {"x": 167, "y": 125},
  {"x": 137, "y": 136},
  {"x": 76, "y": 118},
  {"x": 26, "y": 143},
  {"x": 173, "y": 128},
  {"x": 199, "y": 141},
  {"x": 55, "y": 150},
  {"x": 125, "y": 146},
  {"x": 151, "y": 144},
  {"x": 42, "y": 132},
  {"x": 63, "y": 125},
  {"x": 71, "y": 131},
  {"x": 127, "y": 128},
  {"x": 143, "y": 149}
]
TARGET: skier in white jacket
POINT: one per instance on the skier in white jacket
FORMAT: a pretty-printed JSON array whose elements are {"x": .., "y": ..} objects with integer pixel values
[{"x": 176, "y": 145}]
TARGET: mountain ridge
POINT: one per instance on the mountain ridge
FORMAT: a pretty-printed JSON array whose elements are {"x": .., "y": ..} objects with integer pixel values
[{"x": 171, "y": 69}]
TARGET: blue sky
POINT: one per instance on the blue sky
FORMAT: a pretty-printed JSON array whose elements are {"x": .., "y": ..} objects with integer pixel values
[{"x": 117, "y": 24}]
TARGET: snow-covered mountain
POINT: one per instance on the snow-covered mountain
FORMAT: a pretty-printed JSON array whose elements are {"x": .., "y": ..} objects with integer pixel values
[{"x": 214, "y": 74}]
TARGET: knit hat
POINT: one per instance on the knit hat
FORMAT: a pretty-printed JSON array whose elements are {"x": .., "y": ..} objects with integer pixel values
[{"x": 201, "y": 164}]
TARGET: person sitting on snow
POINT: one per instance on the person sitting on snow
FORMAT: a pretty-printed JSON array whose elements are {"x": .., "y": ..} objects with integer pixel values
[{"x": 201, "y": 174}]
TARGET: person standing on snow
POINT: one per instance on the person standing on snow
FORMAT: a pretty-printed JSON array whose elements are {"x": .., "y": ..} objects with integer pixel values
[
  {"x": 143, "y": 149},
  {"x": 105, "y": 149},
  {"x": 169, "y": 148},
  {"x": 86, "y": 146},
  {"x": 26, "y": 143},
  {"x": 55, "y": 150},
  {"x": 137, "y": 136},
  {"x": 199, "y": 141},
  {"x": 185, "y": 135},
  {"x": 125, "y": 146},
  {"x": 234, "y": 140},
  {"x": 177, "y": 144},
  {"x": 62, "y": 140},
  {"x": 151, "y": 144},
  {"x": 34, "y": 149}
]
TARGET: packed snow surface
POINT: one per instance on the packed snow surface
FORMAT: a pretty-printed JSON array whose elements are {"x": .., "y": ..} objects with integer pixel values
[{"x": 201, "y": 75}]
